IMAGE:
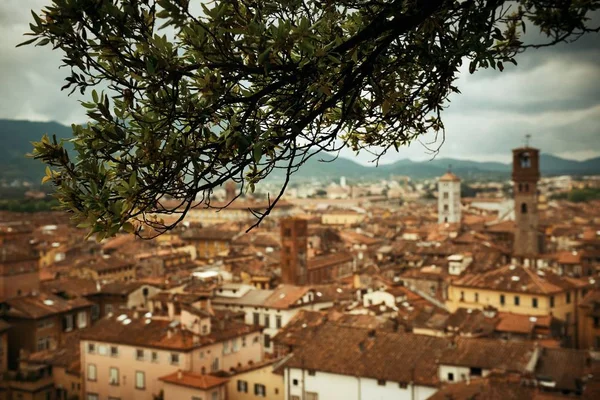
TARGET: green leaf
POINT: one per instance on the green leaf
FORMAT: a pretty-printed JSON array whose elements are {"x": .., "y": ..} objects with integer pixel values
[
  {"x": 257, "y": 152},
  {"x": 128, "y": 227},
  {"x": 43, "y": 42},
  {"x": 25, "y": 43}
]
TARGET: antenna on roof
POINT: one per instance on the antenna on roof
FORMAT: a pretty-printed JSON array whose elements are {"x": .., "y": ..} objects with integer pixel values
[{"x": 527, "y": 138}]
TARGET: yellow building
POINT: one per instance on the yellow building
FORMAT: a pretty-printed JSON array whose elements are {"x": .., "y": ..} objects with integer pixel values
[
  {"x": 210, "y": 241},
  {"x": 342, "y": 217},
  {"x": 521, "y": 290},
  {"x": 260, "y": 379}
]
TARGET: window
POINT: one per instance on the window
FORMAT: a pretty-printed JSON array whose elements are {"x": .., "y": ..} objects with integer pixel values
[
  {"x": 68, "y": 323},
  {"x": 154, "y": 357},
  {"x": 114, "y": 351},
  {"x": 215, "y": 365},
  {"x": 92, "y": 396},
  {"x": 534, "y": 302},
  {"x": 234, "y": 345},
  {"x": 278, "y": 321},
  {"x": 242, "y": 386},
  {"x": 43, "y": 343},
  {"x": 517, "y": 300},
  {"x": 596, "y": 322},
  {"x": 568, "y": 298},
  {"x": 402, "y": 385},
  {"x": 256, "y": 318},
  {"x": 476, "y": 297},
  {"x": 140, "y": 380},
  {"x": 108, "y": 308},
  {"x": 243, "y": 341},
  {"x": 215, "y": 395},
  {"x": 523, "y": 208},
  {"x": 312, "y": 396},
  {"x": 450, "y": 376},
  {"x": 462, "y": 296},
  {"x": 445, "y": 195},
  {"x": 551, "y": 301},
  {"x": 525, "y": 160},
  {"x": 267, "y": 341},
  {"x": 597, "y": 342},
  {"x": 267, "y": 321},
  {"x": 91, "y": 348},
  {"x": 91, "y": 372},
  {"x": 81, "y": 319},
  {"x": 139, "y": 354},
  {"x": 295, "y": 382},
  {"x": 502, "y": 299},
  {"x": 174, "y": 359},
  {"x": 476, "y": 371},
  {"x": 113, "y": 376},
  {"x": 260, "y": 390},
  {"x": 381, "y": 382},
  {"x": 201, "y": 354},
  {"x": 226, "y": 347},
  {"x": 445, "y": 207},
  {"x": 312, "y": 372},
  {"x": 204, "y": 329}
]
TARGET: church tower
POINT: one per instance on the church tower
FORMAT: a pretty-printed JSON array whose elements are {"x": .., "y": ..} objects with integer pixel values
[
  {"x": 294, "y": 243},
  {"x": 449, "y": 198},
  {"x": 525, "y": 175}
]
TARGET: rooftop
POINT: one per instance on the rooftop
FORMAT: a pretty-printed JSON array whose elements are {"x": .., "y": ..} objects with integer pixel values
[{"x": 193, "y": 380}]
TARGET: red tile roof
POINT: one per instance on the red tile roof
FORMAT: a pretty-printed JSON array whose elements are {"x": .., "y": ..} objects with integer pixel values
[{"x": 193, "y": 380}]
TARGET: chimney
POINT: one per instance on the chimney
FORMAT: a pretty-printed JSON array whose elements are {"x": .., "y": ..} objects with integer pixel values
[{"x": 136, "y": 314}]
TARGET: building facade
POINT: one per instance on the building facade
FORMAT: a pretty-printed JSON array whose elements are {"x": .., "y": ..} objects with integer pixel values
[{"x": 449, "y": 199}]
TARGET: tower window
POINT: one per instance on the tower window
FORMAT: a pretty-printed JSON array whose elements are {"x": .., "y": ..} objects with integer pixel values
[
  {"x": 524, "y": 208},
  {"x": 527, "y": 187},
  {"x": 525, "y": 160},
  {"x": 520, "y": 187}
]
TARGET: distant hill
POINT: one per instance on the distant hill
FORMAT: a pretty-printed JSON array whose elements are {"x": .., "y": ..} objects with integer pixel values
[{"x": 16, "y": 138}]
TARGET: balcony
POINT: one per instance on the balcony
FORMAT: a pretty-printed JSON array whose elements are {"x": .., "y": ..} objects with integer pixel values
[{"x": 30, "y": 379}]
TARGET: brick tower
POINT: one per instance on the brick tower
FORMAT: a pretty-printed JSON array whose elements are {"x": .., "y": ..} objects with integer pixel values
[
  {"x": 293, "y": 251},
  {"x": 525, "y": 175}
]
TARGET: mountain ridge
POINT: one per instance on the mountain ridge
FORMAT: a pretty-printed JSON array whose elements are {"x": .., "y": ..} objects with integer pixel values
[{"x": 17, "y": 135}]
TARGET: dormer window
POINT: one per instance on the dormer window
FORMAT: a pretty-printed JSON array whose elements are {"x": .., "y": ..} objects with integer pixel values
[{"x": 525, "y": 160}]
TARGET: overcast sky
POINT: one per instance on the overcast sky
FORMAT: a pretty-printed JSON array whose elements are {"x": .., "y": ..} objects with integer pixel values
[{"x": 554, "y": 95}]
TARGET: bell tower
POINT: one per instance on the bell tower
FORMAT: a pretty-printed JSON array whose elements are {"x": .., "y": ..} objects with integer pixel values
[{"x": 525, "y": 176}]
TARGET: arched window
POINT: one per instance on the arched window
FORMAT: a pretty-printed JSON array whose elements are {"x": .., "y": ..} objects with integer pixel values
[
  {"x": 524, "y": 208},
  {"x": 525, "y": 160},
  {"x": 520, "y": 187}
]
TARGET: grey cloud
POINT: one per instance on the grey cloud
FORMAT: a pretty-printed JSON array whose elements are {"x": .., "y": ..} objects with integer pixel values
[{"x": 554, "y": 94}]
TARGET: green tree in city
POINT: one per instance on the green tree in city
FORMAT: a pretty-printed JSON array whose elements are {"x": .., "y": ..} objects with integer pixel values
[{"x": 237, "y": 89}]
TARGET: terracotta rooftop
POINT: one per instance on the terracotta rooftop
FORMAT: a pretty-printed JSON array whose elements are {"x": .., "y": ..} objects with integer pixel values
[
  {"x": 488, "y": 388},
  {"x": 43, "y": 305},
  {"x": 154, "y": 333},
  {"x": 520, "y": 279},
  {"x": 193, "y": 380},
  {"x": 449, "y": 177},
  {"x": 372, "y": 354},
  {"x": 489, "y": 354},
  {"x": 329, "y": 260}
]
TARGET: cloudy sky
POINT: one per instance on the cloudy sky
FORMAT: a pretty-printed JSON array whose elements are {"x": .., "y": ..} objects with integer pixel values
[{"x": 554, "y": 95}]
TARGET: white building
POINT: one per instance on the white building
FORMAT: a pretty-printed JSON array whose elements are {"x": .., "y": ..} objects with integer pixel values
[
  {"x": 449, "y": 198},
  {"x": 271, "y": 309},
  {"x": 344, "y": 362}
]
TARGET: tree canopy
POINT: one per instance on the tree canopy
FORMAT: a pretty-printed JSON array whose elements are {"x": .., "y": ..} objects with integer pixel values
[{"x": 203, "y": 92}]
